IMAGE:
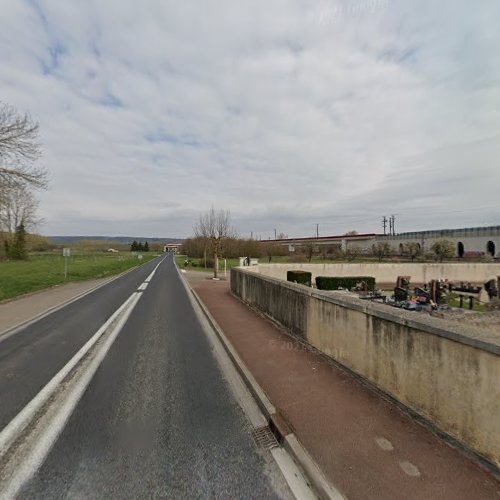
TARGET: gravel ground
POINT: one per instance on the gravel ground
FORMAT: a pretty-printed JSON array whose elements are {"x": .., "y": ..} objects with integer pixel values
[{"x": 488, "y": 321}]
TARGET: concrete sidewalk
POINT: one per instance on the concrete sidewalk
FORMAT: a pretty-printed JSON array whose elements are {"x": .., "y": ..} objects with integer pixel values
[
  {"x": 26, "y": 307},
  {"x": 366, "y": 446}
]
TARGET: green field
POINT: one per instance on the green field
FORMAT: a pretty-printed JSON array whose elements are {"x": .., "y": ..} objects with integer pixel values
[
  {"x": 453, "y": 300},
  {"x": 199, "y": 265},
  {"x": 46, "y": 270}
]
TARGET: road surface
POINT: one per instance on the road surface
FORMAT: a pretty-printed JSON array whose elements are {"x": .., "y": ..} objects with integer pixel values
[{"x": 157, "y": 420}]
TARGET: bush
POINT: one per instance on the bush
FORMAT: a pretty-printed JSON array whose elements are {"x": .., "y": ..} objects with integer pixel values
[
  {"x": 302, "y": 277},
  {"x": 336, "y": 282},
  {"x": 443, "y": 249}
]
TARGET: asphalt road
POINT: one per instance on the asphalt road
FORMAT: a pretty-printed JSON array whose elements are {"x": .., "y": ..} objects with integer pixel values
[
  {"x": 157, "y": 420},
  {"x": 30, "y": 358}
]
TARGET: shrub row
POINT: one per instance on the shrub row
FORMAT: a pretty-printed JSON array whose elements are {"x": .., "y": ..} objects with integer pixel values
[
  {"x": 302, "y": 277},
  {"x": 336, "y": 282}
]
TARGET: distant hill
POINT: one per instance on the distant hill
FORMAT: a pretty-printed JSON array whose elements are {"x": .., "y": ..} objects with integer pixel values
[{"x": 68, "y": 240}]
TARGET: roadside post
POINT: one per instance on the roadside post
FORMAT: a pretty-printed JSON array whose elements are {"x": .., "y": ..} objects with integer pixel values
[{"x": 66, "y": 254}]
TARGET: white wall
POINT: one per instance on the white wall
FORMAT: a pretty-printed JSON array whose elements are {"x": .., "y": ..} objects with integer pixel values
[{"x": 475, "y": 272}]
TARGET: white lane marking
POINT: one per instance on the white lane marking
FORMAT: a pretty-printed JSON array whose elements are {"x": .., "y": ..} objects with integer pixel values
[
  {"x": 384, "y": 444},
  {"x": 150, "y": 277},
  {"x": 20, "y": 469},
  {"x": 26, "y": 414},
  {"x": 143, "y": 287},
  {"x": 409, "y": 469},
  {"x": 10, "y": 331}
]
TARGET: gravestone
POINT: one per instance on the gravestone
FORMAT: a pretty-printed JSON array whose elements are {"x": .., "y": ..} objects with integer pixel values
[
  {"x": 400, "y": 294},
  {"x": 403, "y": 282}
]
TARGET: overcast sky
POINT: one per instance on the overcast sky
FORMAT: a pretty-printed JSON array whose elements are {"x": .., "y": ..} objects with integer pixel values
[{"x": 287, "y": 113}]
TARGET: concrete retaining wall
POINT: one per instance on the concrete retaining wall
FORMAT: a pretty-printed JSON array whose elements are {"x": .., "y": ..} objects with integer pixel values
[
  {"x": 438, "y": 371},
  {"x": 388, "y": 272}
]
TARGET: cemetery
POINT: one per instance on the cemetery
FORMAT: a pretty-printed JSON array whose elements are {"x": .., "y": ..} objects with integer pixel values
[
  {"x": 393, "y": 326},
  {"x": 439, "y": 297}
]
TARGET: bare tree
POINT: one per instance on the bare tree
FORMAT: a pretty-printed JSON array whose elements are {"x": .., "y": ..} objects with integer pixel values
[
  {"x": 413, "y": 249},
  {"x": 18, "y": 205},
  {"x": 215, "y": 227},
  {"x": 381, "y": 250},
  {"x": 351, "y": 253},
  {"x": 309, "y": 249},
  {"x": 19, "y": 149}
]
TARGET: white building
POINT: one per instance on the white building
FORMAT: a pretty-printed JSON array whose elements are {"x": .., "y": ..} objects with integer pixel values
[{"x": 467, "y": 241}]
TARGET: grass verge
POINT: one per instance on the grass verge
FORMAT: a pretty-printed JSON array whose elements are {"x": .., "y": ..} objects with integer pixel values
[
  {"x": 199, "y": 264},
  {"x": 46, "y": 270}
]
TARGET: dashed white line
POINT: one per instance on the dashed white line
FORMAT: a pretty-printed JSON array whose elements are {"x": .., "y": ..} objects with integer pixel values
[
  {"x": 150, "y": 277},
  {"x": 26, "y": 441}
]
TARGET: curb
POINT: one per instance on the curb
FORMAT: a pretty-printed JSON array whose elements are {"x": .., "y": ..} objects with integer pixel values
[
  {"x": 5, "y": 334},
  {"x": 320, "y": 485}
]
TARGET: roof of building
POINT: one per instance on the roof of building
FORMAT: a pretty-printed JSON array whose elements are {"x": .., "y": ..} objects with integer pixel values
[{"x": 325, "y": 238}]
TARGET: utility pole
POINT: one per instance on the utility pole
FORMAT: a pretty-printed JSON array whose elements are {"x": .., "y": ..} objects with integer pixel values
[
  {"x": 251, "y": 235},
  {"x": 393, "y": 218},
  {"x": 317, "y": 230},
  {"x": 275, "y": 234},
  {"x": 384, "y": 224},
  {"x": 390, "y": 225}
]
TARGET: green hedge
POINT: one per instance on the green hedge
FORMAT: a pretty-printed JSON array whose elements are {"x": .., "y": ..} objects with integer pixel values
[
  {"x": 302, "y": 277},
  {"x": 336, "y": 282}
]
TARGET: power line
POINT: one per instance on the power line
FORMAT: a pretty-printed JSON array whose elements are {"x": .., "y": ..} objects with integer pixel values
[{"x": 413, "y": 210}]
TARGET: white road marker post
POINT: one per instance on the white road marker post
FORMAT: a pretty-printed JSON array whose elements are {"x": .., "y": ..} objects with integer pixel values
[{"x": 66, "y": 254}]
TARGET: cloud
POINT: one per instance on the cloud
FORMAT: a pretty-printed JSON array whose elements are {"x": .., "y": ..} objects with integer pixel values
[{"x": 287, "y": 113}]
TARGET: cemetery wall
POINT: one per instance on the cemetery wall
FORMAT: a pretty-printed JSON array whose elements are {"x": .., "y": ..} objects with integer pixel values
[
  {"x": 436, "y": 370},
  {"x": 474, "y": 272}
]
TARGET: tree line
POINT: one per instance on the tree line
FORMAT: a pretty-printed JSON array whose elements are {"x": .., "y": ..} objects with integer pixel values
[
  {"x": 139, "y": 246},
  {"x": 20, "y": 177},
  {"x": 215, "y": 238}
]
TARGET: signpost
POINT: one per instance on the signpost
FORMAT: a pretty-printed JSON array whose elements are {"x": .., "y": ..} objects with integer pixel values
[{"x": 66, "y": 254}]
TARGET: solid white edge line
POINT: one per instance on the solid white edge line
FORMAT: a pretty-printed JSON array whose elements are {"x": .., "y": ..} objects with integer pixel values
[
  {"x": 19, "y": 422},
  {"x": 294, "y": 478},
  {"x": 23, "y": 418},
  {"x": 12, "y": 330},
  {"x": 36, "y": 457}
]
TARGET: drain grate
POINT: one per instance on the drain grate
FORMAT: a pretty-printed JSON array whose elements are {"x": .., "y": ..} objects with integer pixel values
[{"x": 264, "y": 438}]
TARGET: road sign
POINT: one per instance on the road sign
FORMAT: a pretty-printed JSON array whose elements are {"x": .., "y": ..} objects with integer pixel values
[{"x": 66, "y": 252}]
